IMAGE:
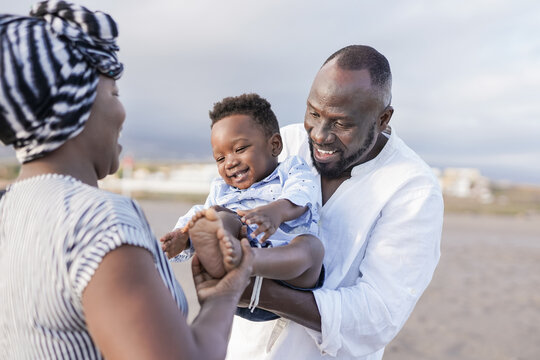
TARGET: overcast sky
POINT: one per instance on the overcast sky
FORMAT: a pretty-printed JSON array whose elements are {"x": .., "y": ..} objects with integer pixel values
[{"x": 466, "y": 73}]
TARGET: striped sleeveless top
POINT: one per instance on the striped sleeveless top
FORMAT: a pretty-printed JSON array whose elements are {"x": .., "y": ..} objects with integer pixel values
[{"x": 54, "y": 232}]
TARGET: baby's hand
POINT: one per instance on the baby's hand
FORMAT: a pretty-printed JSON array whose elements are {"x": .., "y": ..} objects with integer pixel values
[
  {"x": 266, "y": 219},
  {"x": 174, "y": 242}
]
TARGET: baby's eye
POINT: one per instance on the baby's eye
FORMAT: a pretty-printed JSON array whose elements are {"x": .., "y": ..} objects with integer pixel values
[
  {"x": 241, "y": 148},
  {"x": 220, "y": 159}
]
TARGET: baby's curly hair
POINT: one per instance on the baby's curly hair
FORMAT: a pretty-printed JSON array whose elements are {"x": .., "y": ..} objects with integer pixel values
[{"x": 247, "y": 104}]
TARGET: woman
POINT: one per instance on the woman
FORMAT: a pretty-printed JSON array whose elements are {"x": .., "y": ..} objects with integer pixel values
[{"x": 82, "y": 274}]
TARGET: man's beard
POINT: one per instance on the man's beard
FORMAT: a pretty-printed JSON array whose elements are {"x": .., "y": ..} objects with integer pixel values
[{"x": 336, "y": 169}]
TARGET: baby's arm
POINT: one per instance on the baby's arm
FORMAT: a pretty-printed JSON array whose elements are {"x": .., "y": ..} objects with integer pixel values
[
  {"x": 177, "y": 241},
  {"x": 268, "y": 217}
]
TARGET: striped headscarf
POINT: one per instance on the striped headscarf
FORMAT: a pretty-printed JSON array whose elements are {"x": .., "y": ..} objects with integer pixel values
[{"x": 50, "y": 64}]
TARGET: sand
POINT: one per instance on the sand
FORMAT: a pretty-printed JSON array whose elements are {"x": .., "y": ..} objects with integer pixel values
[{"x": 483, "y": 302}]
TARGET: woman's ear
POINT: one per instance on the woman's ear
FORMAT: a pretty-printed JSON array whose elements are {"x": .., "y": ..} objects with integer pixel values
[{"x": 276, "y": 144}]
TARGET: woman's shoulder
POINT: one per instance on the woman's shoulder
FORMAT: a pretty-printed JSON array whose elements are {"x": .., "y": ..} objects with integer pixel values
[
  {"x": 115, "y": 208},
  {"x": 86, "y": 205}
]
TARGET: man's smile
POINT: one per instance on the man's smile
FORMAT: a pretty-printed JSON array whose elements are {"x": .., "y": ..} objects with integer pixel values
[{"x": 325, "y": 155}]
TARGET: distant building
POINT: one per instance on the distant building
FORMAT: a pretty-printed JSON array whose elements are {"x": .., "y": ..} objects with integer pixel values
[
  {"x": 172, "y": 179},
  {"x": 195, "y": 178},
  {"x": 466, "y": 183}
]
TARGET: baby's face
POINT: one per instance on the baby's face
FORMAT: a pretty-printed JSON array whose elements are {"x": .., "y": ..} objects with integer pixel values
[{"x": 244, "y": 155}]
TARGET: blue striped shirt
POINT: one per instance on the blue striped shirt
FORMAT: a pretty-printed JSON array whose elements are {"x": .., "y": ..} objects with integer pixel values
[{"x": 54, "y": 232}]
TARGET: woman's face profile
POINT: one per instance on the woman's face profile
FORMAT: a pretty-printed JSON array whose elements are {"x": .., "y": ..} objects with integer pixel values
[{"x": 104, "y": 126}]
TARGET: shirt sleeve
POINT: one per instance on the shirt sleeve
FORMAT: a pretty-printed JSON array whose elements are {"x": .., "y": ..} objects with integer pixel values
[
  {"x": 95, "y": 240},
  {"x": 301, "y": 187},
  {"x": 400, "y": 257}
]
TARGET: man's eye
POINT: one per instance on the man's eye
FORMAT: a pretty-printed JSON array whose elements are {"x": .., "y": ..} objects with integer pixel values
[
  {"x": 314, "y": 114},
  {"x": 340, "y": 125}
]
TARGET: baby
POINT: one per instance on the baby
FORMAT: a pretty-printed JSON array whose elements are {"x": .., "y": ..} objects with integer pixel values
[{"x": 277, "y": 201}]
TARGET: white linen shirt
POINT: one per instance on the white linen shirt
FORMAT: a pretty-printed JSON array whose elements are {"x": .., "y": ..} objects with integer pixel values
[
  {"x": 381, "y": 230},
  {"x": 292, "y": 179}
]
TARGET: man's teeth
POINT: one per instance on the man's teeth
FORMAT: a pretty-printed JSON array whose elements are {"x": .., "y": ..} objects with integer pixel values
[{"x": 326, "y": 152}]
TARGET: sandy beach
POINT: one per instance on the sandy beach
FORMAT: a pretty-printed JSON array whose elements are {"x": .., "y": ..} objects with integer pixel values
[{"x": 483, "y": 302}]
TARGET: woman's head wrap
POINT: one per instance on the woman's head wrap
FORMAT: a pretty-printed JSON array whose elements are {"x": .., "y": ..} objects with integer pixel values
[{"x": 50, "y": 64}]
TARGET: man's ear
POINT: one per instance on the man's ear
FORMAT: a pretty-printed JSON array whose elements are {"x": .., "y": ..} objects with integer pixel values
[
  {"x": 385, "y": 117},
  {"x": 276, "y": 143}
]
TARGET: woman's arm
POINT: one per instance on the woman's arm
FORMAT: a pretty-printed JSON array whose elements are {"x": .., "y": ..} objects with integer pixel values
[{"x": 131, "y": 314}]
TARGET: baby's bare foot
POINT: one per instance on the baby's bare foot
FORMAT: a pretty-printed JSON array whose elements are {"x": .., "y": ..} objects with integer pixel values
[
  {"x": 203, "y": 232},
  {"x": 231, "y": 250}
]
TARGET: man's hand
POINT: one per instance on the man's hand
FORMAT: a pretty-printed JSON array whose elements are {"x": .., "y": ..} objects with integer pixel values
[{"x": 278, "y": 299}]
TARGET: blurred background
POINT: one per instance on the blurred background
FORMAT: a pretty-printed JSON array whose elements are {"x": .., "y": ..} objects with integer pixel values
[
  {"x": 466, "y": 73},
  {"x": 466, "y": 83}
]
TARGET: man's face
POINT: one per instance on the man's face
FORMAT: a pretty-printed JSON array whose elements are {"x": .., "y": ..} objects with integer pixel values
[{"x": 342, "y": 120}]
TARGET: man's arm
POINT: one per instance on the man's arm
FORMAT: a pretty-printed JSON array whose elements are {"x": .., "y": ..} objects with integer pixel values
[
  {"x": 399, "y": 260},
  {"x": 298, "y": 306},
  {"x": 400, "y": 256}
]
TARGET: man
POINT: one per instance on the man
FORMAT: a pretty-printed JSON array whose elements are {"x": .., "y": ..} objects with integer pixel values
[{"x": 381, "y": 223}]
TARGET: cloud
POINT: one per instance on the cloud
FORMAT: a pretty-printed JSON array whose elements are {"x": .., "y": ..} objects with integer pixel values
[{"x": 466, "y": 73}]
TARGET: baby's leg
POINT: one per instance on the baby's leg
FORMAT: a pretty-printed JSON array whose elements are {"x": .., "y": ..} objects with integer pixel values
[
  {"x": 298, "y": 263},
  {"x": 208, "y": 231}
]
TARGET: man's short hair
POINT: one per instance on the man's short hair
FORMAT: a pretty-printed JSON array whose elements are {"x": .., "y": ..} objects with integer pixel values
[
  {"x": 360, "y": 57},
  {"x": 247, "y": 104}
]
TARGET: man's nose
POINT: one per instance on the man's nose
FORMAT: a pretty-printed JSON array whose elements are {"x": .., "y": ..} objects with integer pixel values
[{"x": 320, "y": 133}]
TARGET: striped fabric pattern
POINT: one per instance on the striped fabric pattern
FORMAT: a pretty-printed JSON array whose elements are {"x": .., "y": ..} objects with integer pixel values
[
  {"x": 49, "y": 67},
  {"x": 54, "y": 232}
]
